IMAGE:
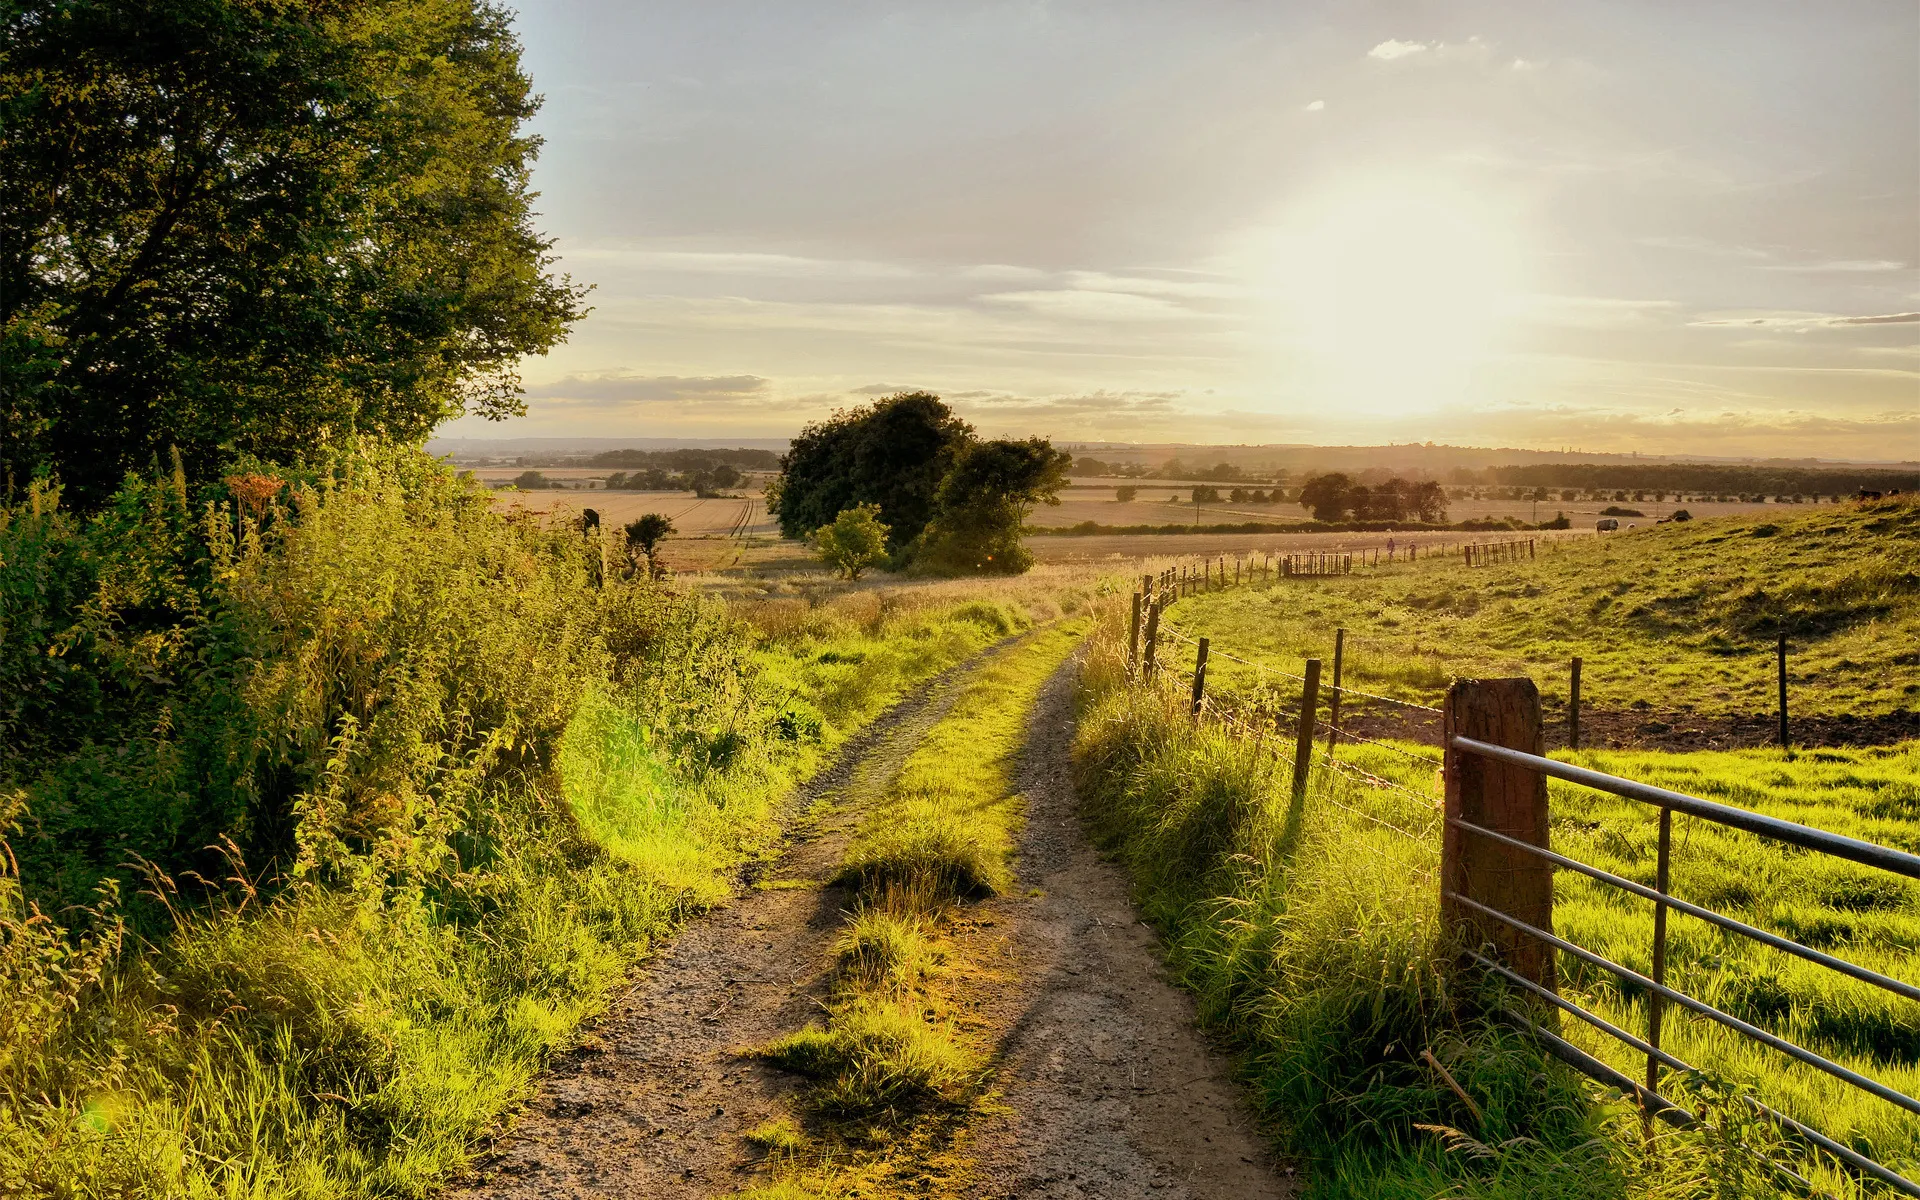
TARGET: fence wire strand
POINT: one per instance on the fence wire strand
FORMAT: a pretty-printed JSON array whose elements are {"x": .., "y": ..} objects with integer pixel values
[{"x": 1347, "y": 735}]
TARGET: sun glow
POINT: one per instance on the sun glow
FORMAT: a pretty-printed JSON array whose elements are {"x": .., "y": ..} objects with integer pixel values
[{"x": 1396, "y": 290}]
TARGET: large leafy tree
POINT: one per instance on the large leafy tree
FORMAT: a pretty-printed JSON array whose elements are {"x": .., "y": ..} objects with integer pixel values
[
  {"x": 892, "y": 453},
  {"x": 259, "y": 226},
  {"x": 983, "y": 505}
]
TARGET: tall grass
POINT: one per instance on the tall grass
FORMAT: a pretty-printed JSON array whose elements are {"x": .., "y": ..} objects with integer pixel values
[
  {"x": 1308, "y": 930},
  {"x": 327, "y": 821}
]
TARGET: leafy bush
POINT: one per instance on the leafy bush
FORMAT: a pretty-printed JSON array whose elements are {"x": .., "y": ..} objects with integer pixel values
[{"x": 854, "y": 541}]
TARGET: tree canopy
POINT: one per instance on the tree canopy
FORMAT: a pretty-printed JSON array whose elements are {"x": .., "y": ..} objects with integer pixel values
[
  {"x": 260, "y": 226},
  {"x": 892, "y": 453},
  {"x": 983, "y": 504}
]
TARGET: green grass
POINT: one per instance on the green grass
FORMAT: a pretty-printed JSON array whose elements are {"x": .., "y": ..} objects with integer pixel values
[
  {"x": 1679, "y": 616},
  {"x": 1309, "y": 933},
  {"x": 1853, "y": 912}
]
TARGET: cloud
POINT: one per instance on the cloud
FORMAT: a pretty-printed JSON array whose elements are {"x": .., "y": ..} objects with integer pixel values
[
  {"x": 1800, "y": 321},
  {"x": 1911, "y": 318},
  {"x": 1849, "y": 266},
  {"x": 1082, "y": 304},
  {"x": 1317, "y": 106},
  {"x": 1696, "y": 429},
  {"x": 734, "y": 262},
  {"x": 1593, "y": 312},
  {"x": 621, "y": 387},
  {"x": 1394, "y": 48}
]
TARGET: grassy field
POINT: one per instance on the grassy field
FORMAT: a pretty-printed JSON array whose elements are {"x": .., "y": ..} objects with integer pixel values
[
  {"x": 1309, "y": 932},
  {"x": 1677, "y": 618}
]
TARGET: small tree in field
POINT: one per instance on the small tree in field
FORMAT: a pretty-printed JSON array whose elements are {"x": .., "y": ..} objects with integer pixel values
[
  {"x": 855, "y": 541},
  {"x": 1125, "y": 495},
  {"x": 644, "y": 535}
]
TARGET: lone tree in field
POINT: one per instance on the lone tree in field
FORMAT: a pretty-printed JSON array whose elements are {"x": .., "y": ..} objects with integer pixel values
[
  {"x": 644, "y": 534},
  {"x": 854, "y": 541},
  {"x": 260, "y": 228},
  {"x": 892, "y": 453},
  {"x": 1125, "y": 494},
  {"x": 983, "y": 504}
]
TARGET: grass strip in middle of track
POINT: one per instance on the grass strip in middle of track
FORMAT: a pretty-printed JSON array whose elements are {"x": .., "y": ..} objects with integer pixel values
[{"x": 893, "y": 1074}]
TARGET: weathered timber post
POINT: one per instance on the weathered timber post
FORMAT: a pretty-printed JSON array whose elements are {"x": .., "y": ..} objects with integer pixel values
[
  {"x": 1153, "y": 637},
  {"x": 1529, "y": 547},
  {"x": 1785, "y": 744},
  {"x": 1573, "y": 707},
  {"x": 1507, "y": 799},
  {"x": 1199, "y": 676},
  {"x": 1333, "y": 697},
  {"x": 1133, "y": 638},
  {"x": 1236, "y": 571},
  {"x": 1303, "y": 745}
]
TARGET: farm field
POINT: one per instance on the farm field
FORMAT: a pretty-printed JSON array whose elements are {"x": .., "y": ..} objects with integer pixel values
[
  {"x": 1675, "y": 625},
  {"x": 1090, "y": 500}
]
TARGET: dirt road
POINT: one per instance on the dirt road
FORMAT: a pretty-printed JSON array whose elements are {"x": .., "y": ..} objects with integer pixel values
[{"x": 1104, "y": 1087}]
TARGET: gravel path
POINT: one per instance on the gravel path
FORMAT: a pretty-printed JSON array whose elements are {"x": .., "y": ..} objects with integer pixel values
[
  {"x": 1111, "y": 1092},
  {"x": 1106, "y": 1091}
]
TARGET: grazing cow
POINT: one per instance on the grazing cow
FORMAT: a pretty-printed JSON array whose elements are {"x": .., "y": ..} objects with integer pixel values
[{"x": 1865, "y": 494}]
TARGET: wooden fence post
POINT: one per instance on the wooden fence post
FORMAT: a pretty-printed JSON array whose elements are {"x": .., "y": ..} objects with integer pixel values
[
  {"x": 1333, "y": 697},
  {"x": 1149, "y": 651},
  {"x": 1199, "y": 676},
  {"x": 1573, "y": 707},
  {"x": 1303, "y": 745},
  {"x": 1506, "y": 799},
  {"x": 1784, "y": 743},
  {"x": 1133, "y": 638}
]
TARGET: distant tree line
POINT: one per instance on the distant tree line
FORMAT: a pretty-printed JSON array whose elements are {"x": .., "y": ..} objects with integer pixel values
[
  {"x": 1711, "y": 479},
  {"x": 1337, "y": 497},
  {"x": 1174, "y": 468},
  {"x": 945, "y": 501}
]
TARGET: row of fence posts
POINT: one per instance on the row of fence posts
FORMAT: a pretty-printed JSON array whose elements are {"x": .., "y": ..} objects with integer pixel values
[
  {"x": 1182, "y": 581},
  {"x": 1485, "y": 554},
  {"x": 1143, "y": 643}
]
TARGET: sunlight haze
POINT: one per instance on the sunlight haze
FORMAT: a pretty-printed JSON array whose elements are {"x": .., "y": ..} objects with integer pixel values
[{"x": 1689, "y": 229}]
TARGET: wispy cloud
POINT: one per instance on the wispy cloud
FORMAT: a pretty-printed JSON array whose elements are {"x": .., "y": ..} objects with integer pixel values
[
  {"x": 1088, "y": 304},
  {"x": 620, "y": 387},
  {"x": 1394, "y": 48},
  {"x": 1911, "y": 318},
  {"x": 1800, "y": 320}
]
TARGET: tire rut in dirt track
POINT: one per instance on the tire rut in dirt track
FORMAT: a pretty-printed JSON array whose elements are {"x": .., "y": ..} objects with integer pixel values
[
  {"x": 654, "y": 1100},
  {"x": 1110, "y": 1090}
]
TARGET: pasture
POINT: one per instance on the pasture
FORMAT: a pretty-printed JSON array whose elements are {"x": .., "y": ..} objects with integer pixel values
[{"x": 1674, "y": 623}]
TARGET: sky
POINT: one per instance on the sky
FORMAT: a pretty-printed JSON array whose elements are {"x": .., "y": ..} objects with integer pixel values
[{"x": 1670, "y": 228}]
